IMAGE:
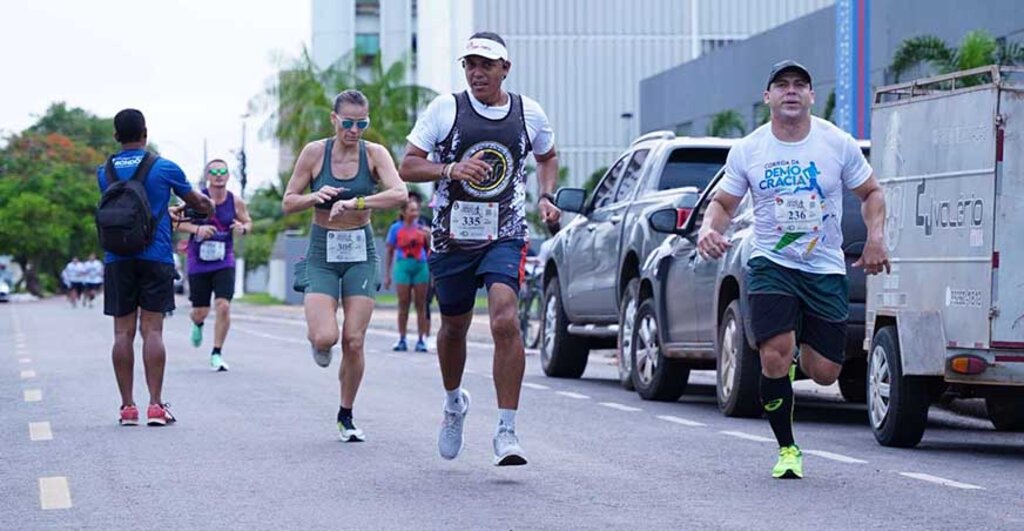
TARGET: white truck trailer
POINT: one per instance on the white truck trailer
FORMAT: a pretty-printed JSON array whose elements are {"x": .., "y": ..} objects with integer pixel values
[{"x": 949, "y": 319}]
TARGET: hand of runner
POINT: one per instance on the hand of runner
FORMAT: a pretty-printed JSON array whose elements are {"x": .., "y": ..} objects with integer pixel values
[
  {"x": 177, "y": 213},
  {"x": 205, "y": 231},
  {"x": 472, "y": 169},
  {"x": 549, "y": 213},
  {"x": 340, "y": 207},
  {"x": 238, "y": 227},
  {"x": 874, "y": 258},
  {"x": 387, "y": 283},
  {"x": 712, "y": 245},
  {"x": 326, "y": 193}
]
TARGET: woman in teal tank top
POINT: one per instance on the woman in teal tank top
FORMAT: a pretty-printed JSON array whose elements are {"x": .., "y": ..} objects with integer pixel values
[{"x": 348, "y": 178}]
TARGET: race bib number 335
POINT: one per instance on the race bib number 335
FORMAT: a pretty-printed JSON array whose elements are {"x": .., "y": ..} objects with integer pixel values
[
  {"x": 798, "y": 212},
  {"x": 474, "y": 221}
]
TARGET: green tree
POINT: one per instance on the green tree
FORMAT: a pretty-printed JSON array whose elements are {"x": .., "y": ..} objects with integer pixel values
[
  {"x": 48, "y": 194},
  {"x": 79, "y": 125},
  {"x": 726, "y": 124},
  {"x": 977, "y": 49}
]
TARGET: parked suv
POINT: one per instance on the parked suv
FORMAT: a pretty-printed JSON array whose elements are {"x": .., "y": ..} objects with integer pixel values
[
  {"x": 591, "y": 275},
  {"x": 693, "y": 313}
]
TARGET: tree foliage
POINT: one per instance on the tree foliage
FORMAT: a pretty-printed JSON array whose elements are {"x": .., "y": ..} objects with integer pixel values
[
  {"x": 978, "y": 48},
  {"x": 726, "y": 124}
]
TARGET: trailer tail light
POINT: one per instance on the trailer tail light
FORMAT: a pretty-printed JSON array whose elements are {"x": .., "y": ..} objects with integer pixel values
[
  {"x": 968, "y": 365},
  {"x": 682, "y": 214}
]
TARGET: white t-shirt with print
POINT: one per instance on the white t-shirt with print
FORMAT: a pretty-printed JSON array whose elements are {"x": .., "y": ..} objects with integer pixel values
[
  {"x": 436, "y": 121},
  {"x": 95, "y": 272},
  {"x": 797, "y": 189}
]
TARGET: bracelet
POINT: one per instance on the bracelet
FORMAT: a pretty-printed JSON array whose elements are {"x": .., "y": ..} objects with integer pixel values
[
  {"x": 360, "y": 203},
  {"x": 446, "y": 172}
]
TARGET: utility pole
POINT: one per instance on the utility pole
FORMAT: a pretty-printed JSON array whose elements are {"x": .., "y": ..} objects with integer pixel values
[{"x": 241, "y": 158}]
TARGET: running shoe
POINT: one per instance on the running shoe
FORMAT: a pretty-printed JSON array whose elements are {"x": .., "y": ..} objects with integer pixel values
[
  {"x": 197, "y": 335},
  {"x": 791, "y": 463},
  {"x": 507, "y": 451},
  {"x": 348, "y": 432},
  {"x": 159, "y": 415},
  {"x": 323, "y": 357},
  {"x": 129, "y": 416},
  {"x": 217, "y": 363},
  {"x": 401, "y": 346},
  {"x": 421, "y": 346},
  {"x": 451, "y": 441}
]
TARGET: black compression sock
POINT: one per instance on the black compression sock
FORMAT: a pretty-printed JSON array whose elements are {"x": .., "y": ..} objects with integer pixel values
[
  {"x": 216, "y": 351},
  {"x": 344, "y": 412},
  {"x": 777, "y": 399}
]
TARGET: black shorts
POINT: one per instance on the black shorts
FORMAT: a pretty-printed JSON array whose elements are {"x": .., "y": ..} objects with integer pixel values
[
  {"x": 814, "y": 306},
  {"x": 79, "y": 287},
  {"x": 133, "y": 283},
  {"x": 220, "y": 283},
  {"x": 459, "y": 274}
]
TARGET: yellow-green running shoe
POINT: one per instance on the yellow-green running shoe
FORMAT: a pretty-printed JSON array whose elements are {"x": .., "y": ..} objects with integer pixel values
[
  {"x": 791, "y": 463},
  {"x": 197, "y": 335}
]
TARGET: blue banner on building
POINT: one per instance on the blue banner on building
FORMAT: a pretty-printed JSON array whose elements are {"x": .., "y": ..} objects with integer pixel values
[{"x": 853, "y": 67}]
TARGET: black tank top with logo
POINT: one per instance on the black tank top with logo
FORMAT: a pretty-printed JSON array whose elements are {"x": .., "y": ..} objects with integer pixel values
[{"x": 505, "y": 145}]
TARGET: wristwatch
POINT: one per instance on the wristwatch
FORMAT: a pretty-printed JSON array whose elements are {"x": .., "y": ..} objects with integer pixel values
[{"x": 547, "y": 196}]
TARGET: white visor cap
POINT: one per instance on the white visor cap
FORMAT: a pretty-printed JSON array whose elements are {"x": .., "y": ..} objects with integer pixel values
[{"x": 485, "y": 48}]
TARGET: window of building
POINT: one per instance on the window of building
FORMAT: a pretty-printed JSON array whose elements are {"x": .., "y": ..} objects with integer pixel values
[
  {"x": 710, "y": 45},
  {"x": 367, "y": 7},
  {"x": 367, "y": 48}
]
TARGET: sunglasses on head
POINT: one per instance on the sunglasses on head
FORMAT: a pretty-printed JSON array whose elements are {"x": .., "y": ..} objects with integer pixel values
[
  {"x": 347, "y": 123},
  {"x": 218, "y": 171}
]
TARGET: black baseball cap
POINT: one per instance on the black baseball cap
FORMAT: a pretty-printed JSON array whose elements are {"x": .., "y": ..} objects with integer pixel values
[{"x": 788, "y": 65}]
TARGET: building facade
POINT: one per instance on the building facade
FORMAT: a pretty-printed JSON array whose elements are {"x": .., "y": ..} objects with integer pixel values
[{"x": 686, "y": 97}]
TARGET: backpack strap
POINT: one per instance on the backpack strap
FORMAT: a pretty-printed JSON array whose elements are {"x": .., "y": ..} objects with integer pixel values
[{"x": 142, "y": 170}]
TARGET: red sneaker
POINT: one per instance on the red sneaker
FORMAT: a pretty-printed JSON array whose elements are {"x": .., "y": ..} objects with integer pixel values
[
  {"x": 159, "y": 415},
  {"x": 129, "y": 416}
]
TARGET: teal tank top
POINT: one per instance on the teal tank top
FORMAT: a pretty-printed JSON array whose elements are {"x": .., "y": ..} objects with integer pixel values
[{"x": 361, "y": 184}]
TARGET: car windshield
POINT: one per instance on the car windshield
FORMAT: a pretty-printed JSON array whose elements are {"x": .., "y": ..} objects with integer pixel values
[{"x": 692, "y": 167}]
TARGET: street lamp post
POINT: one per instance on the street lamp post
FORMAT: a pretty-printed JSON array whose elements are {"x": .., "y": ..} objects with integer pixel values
[{"x": 241, "y": 158}]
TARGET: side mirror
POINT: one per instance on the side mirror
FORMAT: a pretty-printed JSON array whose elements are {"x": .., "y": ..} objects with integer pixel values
[
  {"x": 669, "y": 220},
  {"x": 571, "y": 199}
]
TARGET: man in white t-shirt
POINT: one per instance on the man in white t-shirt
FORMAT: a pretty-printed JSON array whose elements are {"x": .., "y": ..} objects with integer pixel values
[
  {"x": 474, "y": 144},
  {"x": 796, "y": 168},
  {"x": 93, "y": 279}
]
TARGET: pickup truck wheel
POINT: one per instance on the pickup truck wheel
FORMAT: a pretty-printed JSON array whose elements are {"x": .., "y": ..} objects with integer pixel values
[
  {"x": 897, "y": 404},
  {"x": 738, "y": 368},
  {"x": 627, "y": 318},
  {"x": 1006, "y": 412},
  {"x": 562, "y": 355},
  {"x": 654, "y": 376}
]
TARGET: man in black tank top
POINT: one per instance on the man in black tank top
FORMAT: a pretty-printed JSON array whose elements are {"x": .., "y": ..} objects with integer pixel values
[{"x": 477, "y": 142}]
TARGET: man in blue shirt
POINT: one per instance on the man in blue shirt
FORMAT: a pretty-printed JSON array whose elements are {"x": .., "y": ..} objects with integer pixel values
[{"x": 140, "y": 288}]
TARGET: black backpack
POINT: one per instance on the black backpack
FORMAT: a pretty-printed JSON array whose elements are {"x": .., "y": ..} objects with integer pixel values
[{"x": 124, "y": 218}]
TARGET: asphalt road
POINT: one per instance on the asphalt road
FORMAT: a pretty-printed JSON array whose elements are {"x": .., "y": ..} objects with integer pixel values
[{"x": 257, "y": 448}]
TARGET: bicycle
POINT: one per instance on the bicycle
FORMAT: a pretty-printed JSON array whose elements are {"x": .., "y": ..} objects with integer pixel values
[{"x": 531, "y": 301}]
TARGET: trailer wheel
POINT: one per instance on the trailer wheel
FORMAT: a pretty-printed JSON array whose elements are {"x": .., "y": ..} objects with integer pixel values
[
  {"x": 1006, "y": 411},
  {"x": 897, "y": 404}
]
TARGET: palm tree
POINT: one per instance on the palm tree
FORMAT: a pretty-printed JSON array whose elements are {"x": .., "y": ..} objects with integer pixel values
[
  {"x": 299, "y": 100},
  {"x": 725, "y": 123},
  {"x": 977, "y": 49}
]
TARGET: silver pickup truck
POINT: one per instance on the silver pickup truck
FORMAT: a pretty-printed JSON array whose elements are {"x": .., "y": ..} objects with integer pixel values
[{"x": 591, "y": 275}]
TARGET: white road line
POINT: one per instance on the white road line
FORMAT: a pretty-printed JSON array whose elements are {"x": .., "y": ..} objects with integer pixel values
[
  {"x": 747, "y": 436},
  {"x": 24, "y": 360},
  {"x": 28, "y": 374},
  {"x": 370, "y": 331},
  {"x": 570, "y": 394},
  {"x": 620, "y": 407},
  {"x": 487, "y": 375},
  {"x": 535, "y": 386},
  {"x": 941, "y": 481},
  {"x": 835, "y": 457},
  {"x": 684, "y": 422},
  {"x": 39, "y": 431},
  {"x": 271, "y": 336},
  {"x": 33, "y": 395},
  {"x": 54, "y": 493},
  {"x": 469, "y": 371}
]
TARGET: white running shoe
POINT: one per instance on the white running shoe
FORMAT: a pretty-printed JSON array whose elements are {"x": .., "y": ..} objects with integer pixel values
[
  {"x": 507, "y": 451},
  {"x": 451, "y": 441}
]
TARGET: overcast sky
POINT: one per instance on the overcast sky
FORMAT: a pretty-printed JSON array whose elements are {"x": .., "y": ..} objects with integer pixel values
[{"x": 190, "y": 66}]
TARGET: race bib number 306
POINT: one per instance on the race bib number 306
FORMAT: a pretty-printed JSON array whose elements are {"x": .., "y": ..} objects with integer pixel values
[
  {"x": 346, "y": 246},
  {"x": 798, "y": 212},
  {"x": 474, "y": 221}
]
